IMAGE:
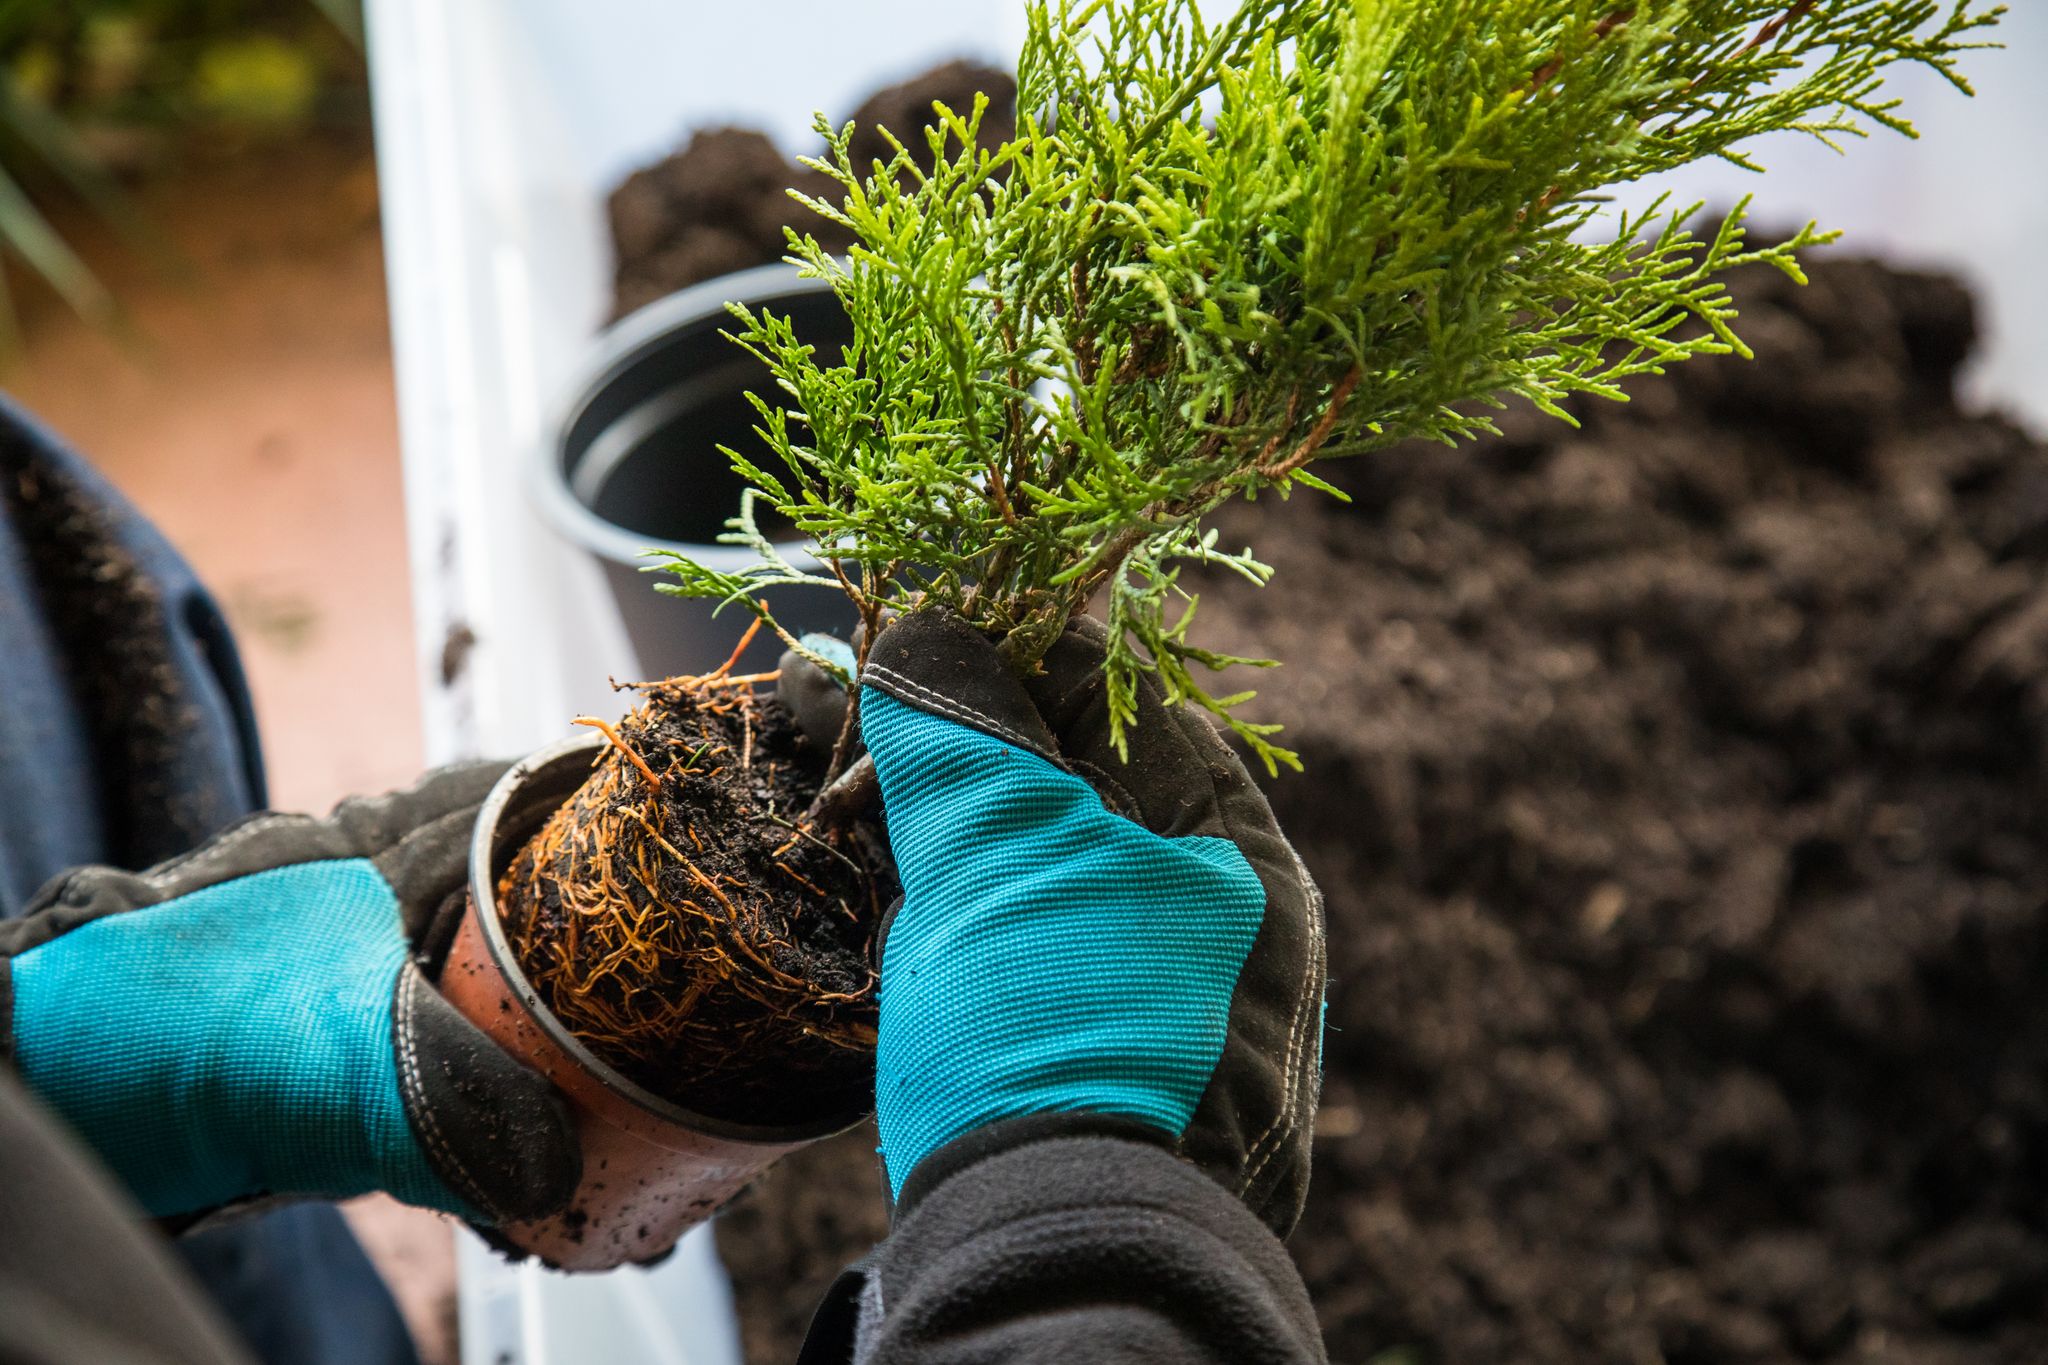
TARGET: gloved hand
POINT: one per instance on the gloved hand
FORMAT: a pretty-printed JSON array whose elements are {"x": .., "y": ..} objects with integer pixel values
[
  {"x": 249, "y": 1019},
  {"x": 1084, "y": 940}
]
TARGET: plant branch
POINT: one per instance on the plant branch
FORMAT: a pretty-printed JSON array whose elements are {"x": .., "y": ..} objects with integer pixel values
[{"x": 1215, "y": 254}]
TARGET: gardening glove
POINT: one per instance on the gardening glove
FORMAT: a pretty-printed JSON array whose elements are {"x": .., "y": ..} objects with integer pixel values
[
  {"x": 250, "y": 1019},
  {"x": 1084, "y": 941},
  {"x": 813, "y": 696}
]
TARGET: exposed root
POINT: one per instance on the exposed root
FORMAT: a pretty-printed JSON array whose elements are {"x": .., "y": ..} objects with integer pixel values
[
  {"x": 727, "y": 969},
  {"x": 611, "y": 733},
  {"x": 847, "y": 797}
]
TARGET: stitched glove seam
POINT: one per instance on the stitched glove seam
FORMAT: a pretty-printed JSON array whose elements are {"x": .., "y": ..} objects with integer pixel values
[
  {"x": 1273, "y": 1139},
  {"x": 925, "y": 699},
  {"x": 1283, "y": 1125},
  {"x": 159, "y": 877},
  {"x": 419, "y": 1114},
  {"x": 1305, "y": 1023}
]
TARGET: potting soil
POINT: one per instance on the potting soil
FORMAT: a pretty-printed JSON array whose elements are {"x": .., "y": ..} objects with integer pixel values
[
  {"x": 1679, "y": 786},
  {"x": 689, "y": 932}
]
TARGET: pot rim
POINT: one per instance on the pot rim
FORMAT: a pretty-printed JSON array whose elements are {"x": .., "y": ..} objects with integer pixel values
[
  {"x": 483, "y": 850},
  {"x": 617, "y": 350}
]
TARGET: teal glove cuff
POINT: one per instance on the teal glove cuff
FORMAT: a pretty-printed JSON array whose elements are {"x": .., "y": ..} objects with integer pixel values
[
  {"x": 1050, "y": 956},
  {"x": 234, "y": 1040}
]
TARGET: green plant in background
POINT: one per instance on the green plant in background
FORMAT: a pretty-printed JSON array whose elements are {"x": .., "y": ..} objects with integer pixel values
[
  {"x": 1218, "y": 253},
  {"x": 83, "y": 83}
]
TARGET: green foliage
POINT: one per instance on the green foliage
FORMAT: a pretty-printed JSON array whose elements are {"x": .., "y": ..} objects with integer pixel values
[{"x": 1216, "y": 253}]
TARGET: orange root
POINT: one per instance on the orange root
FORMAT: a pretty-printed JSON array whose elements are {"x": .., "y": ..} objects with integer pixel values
[
  {"x": 739, "y": 649},
  {"x": 688, "y": 962},
  {"x": 611, "y": 733}
]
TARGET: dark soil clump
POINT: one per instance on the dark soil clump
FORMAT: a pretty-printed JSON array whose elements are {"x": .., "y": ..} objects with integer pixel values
[
  {"x": 1679, "y": 787},
  {"x": 677, "y": 918},
  {"x": 906, "y": 109},
  {"x": 721, "y": 202}
]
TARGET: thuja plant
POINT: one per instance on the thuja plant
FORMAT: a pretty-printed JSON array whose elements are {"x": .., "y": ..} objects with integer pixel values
[
  {"x": 1214, "y": 255},
  {"x": 1218, "y": 254}
]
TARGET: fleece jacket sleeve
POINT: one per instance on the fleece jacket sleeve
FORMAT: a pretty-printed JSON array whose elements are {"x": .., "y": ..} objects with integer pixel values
[{"x": 1059, "y": 1238}]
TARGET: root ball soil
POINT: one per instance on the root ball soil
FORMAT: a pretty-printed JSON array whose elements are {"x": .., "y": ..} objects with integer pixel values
[
  {"x": 1679, "y": 786},
  {"x": 679, "y": 917}
]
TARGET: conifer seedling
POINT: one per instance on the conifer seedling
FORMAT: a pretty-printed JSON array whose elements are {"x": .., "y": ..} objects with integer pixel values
[{"x": 1215, "y": 254}]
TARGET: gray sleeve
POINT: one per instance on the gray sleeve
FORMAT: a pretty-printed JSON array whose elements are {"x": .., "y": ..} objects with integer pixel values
[{"x": 1040, "y": 1240}]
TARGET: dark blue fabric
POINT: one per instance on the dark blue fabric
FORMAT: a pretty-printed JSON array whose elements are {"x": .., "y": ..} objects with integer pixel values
[
  {"x": 49, "y": 817},
  {"x": 63, "y": 800},
  {"x": 294, "y": 1282}
]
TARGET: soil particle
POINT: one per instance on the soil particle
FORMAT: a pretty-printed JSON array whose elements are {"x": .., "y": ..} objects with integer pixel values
[
  {"x": 455, "y": 650},
  {"x": 721, "y": 202},
  {"x": 1679, "y": 787}
]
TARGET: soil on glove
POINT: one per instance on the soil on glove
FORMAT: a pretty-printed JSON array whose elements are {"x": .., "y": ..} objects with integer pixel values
[
  {"x": 691, "y": 931},
  {"x": 721, "y": 201},
  {"x": 1679, "y": 787}
]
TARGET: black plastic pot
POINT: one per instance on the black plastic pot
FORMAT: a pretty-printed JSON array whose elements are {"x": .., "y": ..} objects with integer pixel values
[{"x": 637, "y": 465}]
